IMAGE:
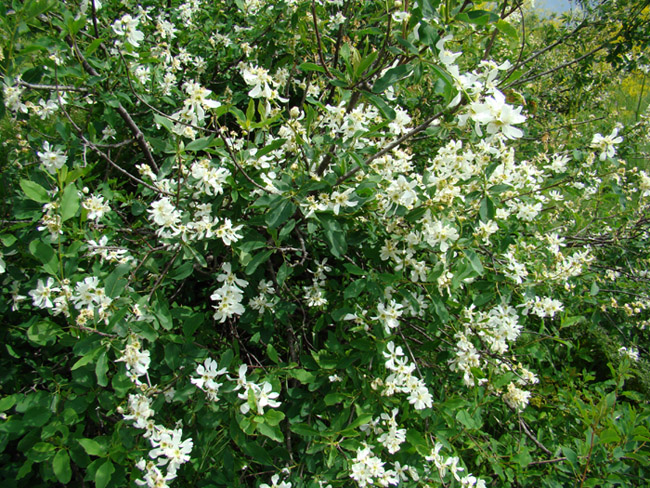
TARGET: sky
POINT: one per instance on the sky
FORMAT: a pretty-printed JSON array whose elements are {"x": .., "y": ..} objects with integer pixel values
[{"x": 554, "y": 5}]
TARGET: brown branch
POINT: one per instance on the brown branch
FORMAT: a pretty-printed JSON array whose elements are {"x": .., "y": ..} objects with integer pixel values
[
  {"x": 545, "y": 461},
  {"x": 318, "y": 41},
  {"x": 557, "y": 68},
  {"x": 163, "y": 274},
  {"x": 139, "y": 136},
  {"x": 395, "y": 143},
  {"x": 38, "y": 86},
  {"x": 532, "y": 437},
  {"x": 104, "y": 156}
]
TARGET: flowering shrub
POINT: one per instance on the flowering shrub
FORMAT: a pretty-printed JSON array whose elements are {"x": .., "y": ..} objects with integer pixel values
[{"x": 314, "y": 244}]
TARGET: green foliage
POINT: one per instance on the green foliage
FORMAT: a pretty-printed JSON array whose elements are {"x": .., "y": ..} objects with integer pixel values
[{"x": 323, "y": 244}]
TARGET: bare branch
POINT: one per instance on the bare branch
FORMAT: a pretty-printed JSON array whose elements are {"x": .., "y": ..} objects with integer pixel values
[{"x": 38, "y": 86}]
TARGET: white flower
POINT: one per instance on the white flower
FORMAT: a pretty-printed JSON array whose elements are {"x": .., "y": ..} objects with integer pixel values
[
  {"x": 96, "y": 207},
  {"x": 631, "y": 353},
  {"x": 52, "y": 159},
  {"x": 127, "y": 26},
  {"x": 259, "y": 78},
  {"x": 164, "y": 213},
  {"x": 207, "y": 372},
  {"x": 516, "y": 398},
  {"x": 497, "y": 115},
  {"x": 276, "y": 483},
  {"x": 605, "y": 144},
  {"x": 43, "y": 292}
]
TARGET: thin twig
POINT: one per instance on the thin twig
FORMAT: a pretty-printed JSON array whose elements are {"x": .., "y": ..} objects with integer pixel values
[
  {"x": 39, "y": 86},
  {"x": 318, "y": 41},
  {"x": 139, "y": 136},
  {"x": 532, "y": 437},
  {"x": 394, "y": 144}
]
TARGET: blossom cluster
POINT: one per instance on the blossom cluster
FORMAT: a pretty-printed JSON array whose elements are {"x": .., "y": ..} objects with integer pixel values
[
  {"x": 229, "y": 296},
  {"x": 402, "y": 380}
]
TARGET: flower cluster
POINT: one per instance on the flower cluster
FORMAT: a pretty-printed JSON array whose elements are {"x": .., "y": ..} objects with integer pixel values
[
  {"x": 543, "y": 307},
  {"x": 450, "y": 465},
  {"x": 135, "y": 359},
  {"x": 229, "y": 296},
  {"x": 402, "y": 380},
  {"x": 96, "y": 207},
  {"x": 315, "y": 294},
  {"x": 168, "y": 448},
  {"x": 207, "y": 374}
]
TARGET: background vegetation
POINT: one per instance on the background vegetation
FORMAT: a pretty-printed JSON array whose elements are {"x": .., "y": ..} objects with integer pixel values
[{"x": 324, "y": 244}]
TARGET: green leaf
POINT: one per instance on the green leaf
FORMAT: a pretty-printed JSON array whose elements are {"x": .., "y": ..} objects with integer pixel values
[
  {"x": 250, "y": 111},
  {"x": 25, "y": 469},
  {"x": 114, "y": 284},
  {"x": 333, "y": 399},
  {"x": 273, "y": 417},
  {"x": 7, "y": 402},
  {"x": 34, "y": 191},
  {"x": 354, "y": 289},
  {"x": 92, "y": 447},
  {"x": 280, "y": 214},
  {"x": 272, "y": 354},
  {"x": 523, "y": 458},
  {"x": 447, "y": 82},
  {"x": 365, "y": 63},
  {"x": 103, "y": 474},
  {"x": 486, "y": 212},
  {"x": 273, "y": 433},
  {"x": 257, "y": 453},
  {"x": 474, "y": 261},
  {"x": 609, "y": 436},
  {"x": 392, "y": 76},
  {"x": 61, "y": 466},
  {"x": 69, "y": 202},
  {"x": 466, "y": 419},
  {"x": 477, "y": 17},
  {"x": 304, "y": 429},
  {"x": 199, "y": 144},
  {"x": 276, "y": 144},
  {"x": 101, "y": 368},
  {"x": 41, "y": 451},
  {"x": 379, "y": 102},
  {"x": 360, "y": 420},
  {"x": 163, "y": 121},
  {"x": 507, "y": 29},
  {"x": 301, "y": 375},
  {"x": 283, "y": 273},
  {"x": 92, "y": 47},
  {"x": 87, "y": 358},
  {"x": 46, "y": 255},
  {"x": 312, "y": 67},
  {"x": 335, "y": 236},
  {"x": 416, "y": 440},
  {"x": 571, "y": 455},
  {"x": 258, "y": 259},
  {"x": 42, "y": 333}
]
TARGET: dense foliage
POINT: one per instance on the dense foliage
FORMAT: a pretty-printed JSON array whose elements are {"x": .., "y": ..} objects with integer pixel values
[{"x": 323, "y": 244}]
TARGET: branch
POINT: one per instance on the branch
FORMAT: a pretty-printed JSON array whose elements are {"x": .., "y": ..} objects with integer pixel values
[
  {"x": 139, "y": 136},
  {"x": 542, "y": 51},
  {"x": 532, "y": 437},
  {"x": 394, "y": 144},
  {"x": 102, "y": 153},
  {"x": 557, "y": 68},
  {"x": 38, "y": 86},
  {"x": 320, "y": 46}
]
